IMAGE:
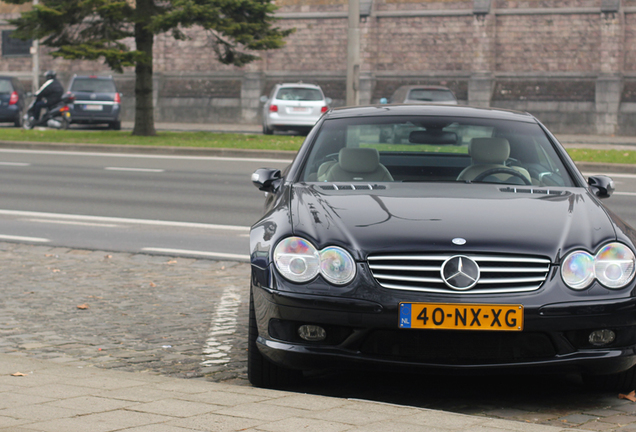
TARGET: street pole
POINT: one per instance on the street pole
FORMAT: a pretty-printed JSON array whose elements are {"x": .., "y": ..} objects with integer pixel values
[
  {"x": 35, "y": 55},
  {"x": 353, "y": 54}
]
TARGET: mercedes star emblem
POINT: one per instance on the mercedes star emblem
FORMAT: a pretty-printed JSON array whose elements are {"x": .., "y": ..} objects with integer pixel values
[{"x": 460, "y": 272}]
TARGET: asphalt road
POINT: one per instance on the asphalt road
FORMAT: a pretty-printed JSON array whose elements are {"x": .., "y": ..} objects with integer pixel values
[
  {"x": 164, "y": 204},
  {"x": 196, "y": 206}
]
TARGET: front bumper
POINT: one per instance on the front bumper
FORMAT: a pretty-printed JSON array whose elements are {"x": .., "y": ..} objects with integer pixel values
[
  {"x": 9, "y": 113},
  {"x": 363, "y": 333},
  {"x": 109, "y": 113}
]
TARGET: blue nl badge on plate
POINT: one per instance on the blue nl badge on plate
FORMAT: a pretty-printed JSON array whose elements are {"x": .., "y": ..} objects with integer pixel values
[{"x": 405, "y": 315}]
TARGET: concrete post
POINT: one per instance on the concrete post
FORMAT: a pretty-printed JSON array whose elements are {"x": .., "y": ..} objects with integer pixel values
[
  {"x": 157, "y": 82},
  {"x": 608, "y": 100},
  {"x": 251, "y": 90},
  {"x": 481, "y": 82},
  {"x": 35, "y": 53},
  {"x": 353, "y": 54},
  {"x": 609, "y": 85},
  {"x": 367, "y": 83}
]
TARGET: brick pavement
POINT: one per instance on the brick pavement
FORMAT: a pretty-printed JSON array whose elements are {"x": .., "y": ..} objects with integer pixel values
[{"x": 156, "y": 315}]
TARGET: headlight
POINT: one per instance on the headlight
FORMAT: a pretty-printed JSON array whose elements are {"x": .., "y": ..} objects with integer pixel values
[
  {"x": 299, "y": 261},
  {"x": 613, "y": 266},
  {"x": 577, "y": 270},
  {"x": 336, "y": 265}
]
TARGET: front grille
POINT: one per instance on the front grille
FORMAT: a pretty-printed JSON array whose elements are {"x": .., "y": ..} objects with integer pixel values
[
  {"x": 498, "y": 273},
  {"x": 457, "y": 347}
]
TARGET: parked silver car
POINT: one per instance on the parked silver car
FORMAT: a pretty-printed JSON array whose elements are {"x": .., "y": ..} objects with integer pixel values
[{"x": 295, "y": 107}]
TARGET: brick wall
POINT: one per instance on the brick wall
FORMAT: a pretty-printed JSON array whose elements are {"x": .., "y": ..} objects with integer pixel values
[
  {"x": 553, "y": 57},
  {"x": 548, "y": 43}
]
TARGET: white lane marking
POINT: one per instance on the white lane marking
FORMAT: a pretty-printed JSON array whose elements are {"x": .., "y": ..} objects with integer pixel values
[
  {"x": 73, "y": 223},
  {"x": 200, "y": 253},
  {"x": 15, "y": 164},
  {"x": 145, "y": 156},
  {"x": 117, "y": 220},
  {"x": 224, "y": 322},
  {"x": 625, "y": 193},
  {"x": 28, "y": 239},
  {"x": 133, "y": 169}
]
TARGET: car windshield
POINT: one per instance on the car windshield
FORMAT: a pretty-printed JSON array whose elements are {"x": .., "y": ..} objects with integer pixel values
[
  {"x": 92, "y": 85},
  {"x": 426, "y": 95},
  {"x": 434, "y": 149},
  {"x": 299, "y": 94},
  {"x": 5, "y": 86}
]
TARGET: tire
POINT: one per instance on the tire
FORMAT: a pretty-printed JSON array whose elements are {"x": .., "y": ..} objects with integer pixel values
[
  {"x": 267, "y": 130},
  {"x": 260, "y": 371},
  {"x": 19, "y": 121},
  {"x": 621, "y": 382},
  {"x": 116, "y": 125},
  {"x": 28, "y": 123}
]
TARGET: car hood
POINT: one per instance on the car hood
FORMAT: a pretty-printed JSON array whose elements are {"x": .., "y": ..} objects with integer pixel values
[{"x": 416, "y": 217}]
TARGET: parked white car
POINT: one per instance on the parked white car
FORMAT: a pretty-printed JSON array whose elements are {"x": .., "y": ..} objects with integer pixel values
[{"x": 295, "y": 107}]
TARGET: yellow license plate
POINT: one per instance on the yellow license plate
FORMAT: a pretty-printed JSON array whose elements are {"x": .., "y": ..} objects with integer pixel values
[{"x": 453, "y": 316}]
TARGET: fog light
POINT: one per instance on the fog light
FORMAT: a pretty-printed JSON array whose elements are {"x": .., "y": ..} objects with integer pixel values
[
  {"x": 602, "y": 337},
  {"x": 312, "y": 333}
]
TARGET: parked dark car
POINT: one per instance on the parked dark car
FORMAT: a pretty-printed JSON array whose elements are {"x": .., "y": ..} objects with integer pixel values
[
  {"x": 12, "y": 100},
  {"x": 472, "y": 245},
  {"x": 415, "y": 94},
  {"x": 96, "y": 101}
]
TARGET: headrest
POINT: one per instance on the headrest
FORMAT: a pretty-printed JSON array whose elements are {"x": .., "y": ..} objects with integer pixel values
[
  {"x": 359, "y": 160},
  {"x": 489, "y": 150}
]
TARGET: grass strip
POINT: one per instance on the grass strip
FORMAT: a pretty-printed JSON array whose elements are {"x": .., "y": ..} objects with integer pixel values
[
  {"x": 235, "y": 141},
  {"x": 171, "y": 139}
]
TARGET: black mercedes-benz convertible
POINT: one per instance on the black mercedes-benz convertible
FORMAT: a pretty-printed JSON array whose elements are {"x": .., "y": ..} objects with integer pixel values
[{"x": 436, "y": 238}]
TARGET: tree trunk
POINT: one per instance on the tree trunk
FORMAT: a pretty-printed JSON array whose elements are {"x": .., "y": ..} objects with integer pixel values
[{"x": 144, "y": 111}]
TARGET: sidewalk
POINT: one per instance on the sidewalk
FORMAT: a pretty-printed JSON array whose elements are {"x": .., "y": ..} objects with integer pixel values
[{"x": 54, "y": 396}]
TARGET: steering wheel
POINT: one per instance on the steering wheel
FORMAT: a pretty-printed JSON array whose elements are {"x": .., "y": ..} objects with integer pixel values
[{"x": 508, "y": 171}]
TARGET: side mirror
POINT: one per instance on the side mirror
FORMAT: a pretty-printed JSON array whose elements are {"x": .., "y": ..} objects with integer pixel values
[
  {"x": 267, "y": 179},
  {"x": 601, "y": 186},
  {"x": 263, "y": 99},
  {"x": 383, "y": 101},
  {"x": 329, "y": 101}
]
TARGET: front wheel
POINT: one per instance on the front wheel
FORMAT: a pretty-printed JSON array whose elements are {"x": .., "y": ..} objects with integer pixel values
[
  {"x": 260, "y": 371},
  {"x": 28, "y": 122}
]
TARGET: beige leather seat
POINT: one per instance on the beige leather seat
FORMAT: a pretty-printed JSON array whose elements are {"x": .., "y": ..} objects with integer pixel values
[
  {"x": 355, "y": 164},
  {"x": 489, "y": 153}
]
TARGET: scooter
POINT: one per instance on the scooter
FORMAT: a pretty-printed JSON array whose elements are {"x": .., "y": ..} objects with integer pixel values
[{"x": 57, "y": 117}]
